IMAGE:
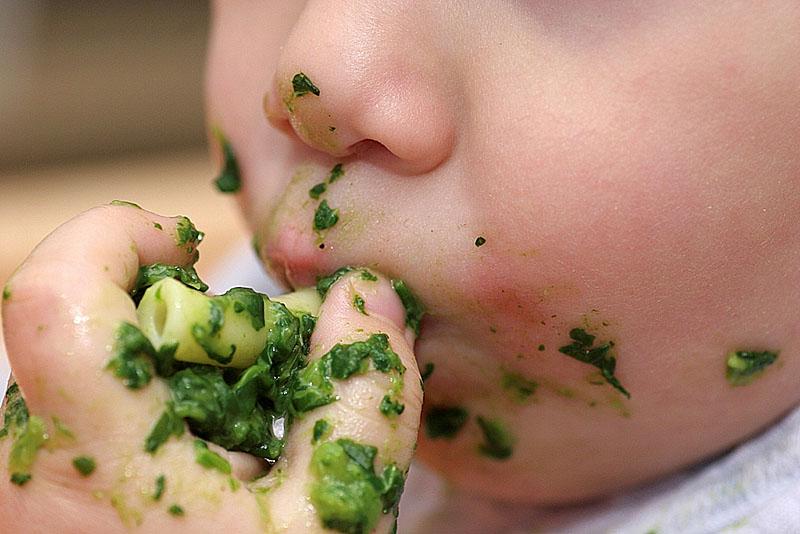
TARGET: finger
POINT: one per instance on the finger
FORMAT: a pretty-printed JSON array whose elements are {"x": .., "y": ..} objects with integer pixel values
[
  {"x": 356, "y": 414},
  {"x": 67, "y": 300}
]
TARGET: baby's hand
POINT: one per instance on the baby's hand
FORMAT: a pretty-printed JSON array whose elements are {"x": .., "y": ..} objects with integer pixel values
[{"x": 79, "y": 463}]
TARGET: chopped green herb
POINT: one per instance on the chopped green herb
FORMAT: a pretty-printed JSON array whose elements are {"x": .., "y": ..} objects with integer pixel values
[
  {"x": 322, "y": 429},
  {"x": 210, "y": 459},
  {"x": 161, "y": 483},
  {"x": 20, "y": 479},
  {"x": 582, "y": 349},
  {"x": 325, "y": 217},
  {"x": 336, "y": 172},
  {"x": 229, "y": 179},
  {"x": 414, "y": 309},
  {"x": 169, "y": 424},
  {"x": 331, "y": 129},
  {"x": 247, "y": 300},
  {"x": 125, "y": 203},
  {"x": 358, "y": 303},
  {"x": 744, "y": 366},
  {"x": 541, "y": 348},
  {"x": 84, "y": 465},
  {"x": 324, "y": 283},
  {"x": 317, "y": 190},
  {"x": 6, "y": 293},
  {"x": 186, "y": 233},
  {"x": 302, "y": 85},
  {"x": 480, "y": 241},
  {"x": 131, "y": 361},
  {"x": 445, "y": 421},
  {"x": 176, "y": 510},
  {"x": 347, "y": 493},
  {"x": 390, "y": 407},
  {"x": 520, "y": 387},
  {"x": 150, "y": 274},
  {"x": 427, "y": 371},
  {"x": 498, "y": 442},
  {"x": 16, "y": 413}
]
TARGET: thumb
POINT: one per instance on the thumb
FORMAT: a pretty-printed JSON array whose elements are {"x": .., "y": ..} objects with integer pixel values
[{"x": 362, "y": 342}]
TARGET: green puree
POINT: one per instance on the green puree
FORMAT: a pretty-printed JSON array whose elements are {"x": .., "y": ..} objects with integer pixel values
[
  {"x": 348, "y": 494},
  {"x": 29, "y": 434},
  {"x": 445, "y": 421},
  {"x": 744, "y": 366},
  {"x": 229, "y": 179},
  {"x": 582, "y": 349}
]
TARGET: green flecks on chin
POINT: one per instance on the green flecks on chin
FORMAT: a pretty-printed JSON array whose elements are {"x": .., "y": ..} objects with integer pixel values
[
  {"x": 744, "y": 366},
  {"x": 582, "y": 349},
  {"x": 498, "y": 443}
]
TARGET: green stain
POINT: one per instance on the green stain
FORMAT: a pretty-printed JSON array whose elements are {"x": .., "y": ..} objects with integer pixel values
[
  {"x": 316, "y": 191},
  {"x": 161, "y": 484},
  {"x": 520, "y": 388},
  {"x": 414, "y": 308},
  {"x": 358, "y": 303},
  {"x": 445, "y": 421},
  {"x": 302, "y": 85},
  {"x": 210, "y": 459},
  {"x": 85, "y": 465},
  {"x": 347, "y": 493},
  {"x": 336, "y": 172},
  {"x": 229, "y": 179},
  {"x": 498, "y": 443},
  {"x": 126, "y": 204},
  {"x": 325, "y": 217},
  {"x": 744, "y": 366},
  {"x": 322, "y": 429},
  {"x": 582, "y": 349}
]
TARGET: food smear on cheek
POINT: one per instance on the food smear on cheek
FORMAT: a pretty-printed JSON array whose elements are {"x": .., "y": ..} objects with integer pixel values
[
  {"x": 85, "y": 465},
  {"x": 229, "y": 179},
  {"x": 520, "y": 388},
  {"x": 744, "y": 366},
  {"x": 498, "y": 443},
  {"x": 582, "y": 349},
  {"x": 445, "y": 421}
]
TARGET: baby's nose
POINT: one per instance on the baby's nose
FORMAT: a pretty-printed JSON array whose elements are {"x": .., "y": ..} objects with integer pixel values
[{"x": 358, "y": 75}]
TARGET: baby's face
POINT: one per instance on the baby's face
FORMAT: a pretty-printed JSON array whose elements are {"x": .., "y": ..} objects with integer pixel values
[{"x": 634, "y": 170}]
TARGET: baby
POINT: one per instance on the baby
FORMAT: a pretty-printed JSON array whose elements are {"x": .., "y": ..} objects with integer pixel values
[{"x": 594, "y": 202}]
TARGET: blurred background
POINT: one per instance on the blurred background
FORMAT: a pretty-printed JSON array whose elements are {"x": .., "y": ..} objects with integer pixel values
[{"x": 103, "y": 101}]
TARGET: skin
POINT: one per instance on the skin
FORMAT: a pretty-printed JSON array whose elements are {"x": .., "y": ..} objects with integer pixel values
[
  {"x": 634, "y": 170},
  {"x": 68, "y": 299}
]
